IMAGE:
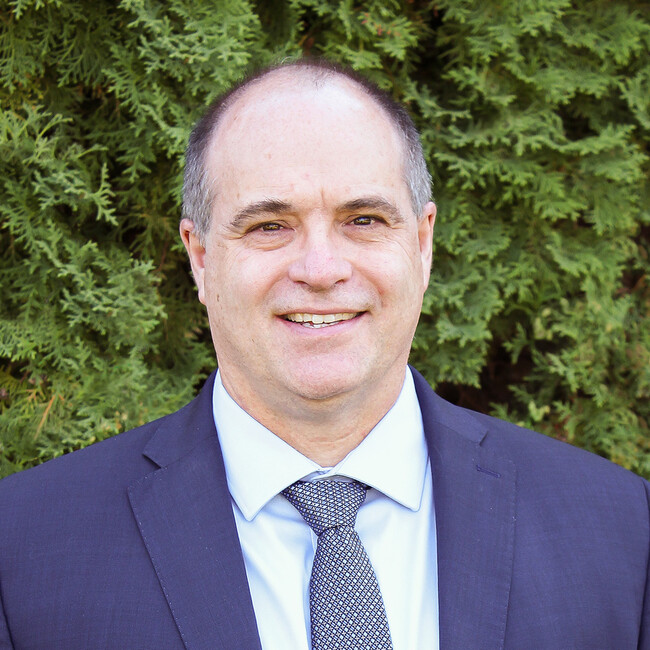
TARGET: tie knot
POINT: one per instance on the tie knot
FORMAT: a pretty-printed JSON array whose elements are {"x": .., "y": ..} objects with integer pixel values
[{"x": 326, "y": 504}]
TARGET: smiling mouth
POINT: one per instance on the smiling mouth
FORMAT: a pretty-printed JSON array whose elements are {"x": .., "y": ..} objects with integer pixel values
[{"x": 320, "y": 320}]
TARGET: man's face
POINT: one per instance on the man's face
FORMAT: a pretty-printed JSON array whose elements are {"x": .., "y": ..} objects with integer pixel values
[{"x": 314, "y": 266}]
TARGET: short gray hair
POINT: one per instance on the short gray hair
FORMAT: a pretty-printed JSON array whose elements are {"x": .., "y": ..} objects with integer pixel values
[{"x": 198, "y": 193}]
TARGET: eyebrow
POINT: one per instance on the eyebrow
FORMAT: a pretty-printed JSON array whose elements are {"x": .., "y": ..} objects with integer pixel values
[
  {"x": 253, "y": 210},
  {"x": 377, "y": 203}
]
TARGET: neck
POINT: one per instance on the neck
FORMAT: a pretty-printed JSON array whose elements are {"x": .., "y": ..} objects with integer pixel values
[{"x": 325, "y": 430}]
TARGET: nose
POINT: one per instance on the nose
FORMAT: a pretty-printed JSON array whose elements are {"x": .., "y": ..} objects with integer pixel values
[{"x": 320, "y": 262}]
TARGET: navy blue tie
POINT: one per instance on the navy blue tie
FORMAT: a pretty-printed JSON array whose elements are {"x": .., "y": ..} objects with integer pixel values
[{"x": 346, "y": 607}]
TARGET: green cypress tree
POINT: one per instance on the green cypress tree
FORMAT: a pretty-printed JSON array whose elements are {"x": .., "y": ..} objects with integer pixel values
[{"x": 536, "y": 120}]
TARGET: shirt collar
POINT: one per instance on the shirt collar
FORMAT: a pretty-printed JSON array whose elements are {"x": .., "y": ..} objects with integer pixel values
[{"x": 392, "y": 458}]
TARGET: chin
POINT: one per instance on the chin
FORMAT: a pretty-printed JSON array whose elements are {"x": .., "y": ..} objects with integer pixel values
[
  {"x": 321, "y": 391},
  {"x": 320, "y": 386}
]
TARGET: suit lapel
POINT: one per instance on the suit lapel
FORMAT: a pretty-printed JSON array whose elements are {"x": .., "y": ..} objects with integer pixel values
[
  {"x": 184, "y": 513},
  {"x": 474, "y": 496}
]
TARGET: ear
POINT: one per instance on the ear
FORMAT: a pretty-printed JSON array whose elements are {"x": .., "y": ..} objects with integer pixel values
[
  {"x": 426, "y": 223},
  {"x": 196, "y": 252}
]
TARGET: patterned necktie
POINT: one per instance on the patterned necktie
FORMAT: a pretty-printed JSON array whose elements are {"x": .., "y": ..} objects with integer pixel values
[{"x": 346, "y": 607}]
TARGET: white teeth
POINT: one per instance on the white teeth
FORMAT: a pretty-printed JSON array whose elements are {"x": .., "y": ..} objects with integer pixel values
[{"x": 320, "y": 320}]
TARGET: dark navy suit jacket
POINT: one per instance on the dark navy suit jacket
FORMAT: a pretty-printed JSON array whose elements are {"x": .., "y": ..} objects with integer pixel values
[{"x": 131, "y": 543}]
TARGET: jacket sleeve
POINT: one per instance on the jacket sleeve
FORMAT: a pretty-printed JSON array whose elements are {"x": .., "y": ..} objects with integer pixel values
[
  {"x": 5, "y": 637},
  {"x": 644, "y": 633}
]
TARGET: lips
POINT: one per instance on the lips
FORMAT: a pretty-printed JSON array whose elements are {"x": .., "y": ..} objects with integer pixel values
[{"x": 320, "y": 320}]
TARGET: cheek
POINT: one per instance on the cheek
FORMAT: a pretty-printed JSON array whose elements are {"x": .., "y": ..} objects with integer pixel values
[
  {"x": 219, "y": 289},
  {"x": 256, "y": 273},
  {"x": 236, "y": 286},
  {"x": 397, "y": 274}
]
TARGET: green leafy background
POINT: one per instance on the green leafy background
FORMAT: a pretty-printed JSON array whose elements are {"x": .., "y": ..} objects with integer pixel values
[{"x": 535, "y": 117}]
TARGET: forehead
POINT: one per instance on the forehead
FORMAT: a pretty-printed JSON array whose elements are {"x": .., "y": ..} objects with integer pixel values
[
  {"x": 297, "y": 93},
  {"x": 296, "y": 122}
]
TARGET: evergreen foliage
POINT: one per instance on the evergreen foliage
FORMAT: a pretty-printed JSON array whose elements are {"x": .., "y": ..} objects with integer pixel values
[{"x": 535, "y": 117}]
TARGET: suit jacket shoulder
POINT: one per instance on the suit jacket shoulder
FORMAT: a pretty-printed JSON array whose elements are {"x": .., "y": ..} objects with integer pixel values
[
  {"x": 130, "y": 542},
  {"x": 540, "y": 544}
]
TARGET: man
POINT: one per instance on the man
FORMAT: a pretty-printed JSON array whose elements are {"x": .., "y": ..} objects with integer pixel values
[{"x": 308, "y": 225}]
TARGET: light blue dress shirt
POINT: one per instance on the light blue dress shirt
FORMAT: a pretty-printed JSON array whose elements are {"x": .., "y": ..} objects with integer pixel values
[{"x": 396, "y": 523}]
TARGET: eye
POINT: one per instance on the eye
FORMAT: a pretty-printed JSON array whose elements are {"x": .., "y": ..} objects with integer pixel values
[
  {"x": 364, "y": 220},
  {"x": 270, "y": 226}
]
